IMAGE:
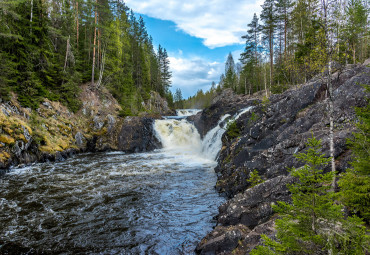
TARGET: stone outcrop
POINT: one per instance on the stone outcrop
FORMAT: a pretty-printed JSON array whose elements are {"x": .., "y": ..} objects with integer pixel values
[
  {"x": 53, "y": 133},
  {"x": 270, "y": 134},
  {"x": 137, "y": 135},
  {"x": 227, "y": 102}
]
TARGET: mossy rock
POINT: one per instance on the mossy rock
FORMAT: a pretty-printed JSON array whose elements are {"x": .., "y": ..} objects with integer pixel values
[
  {"x": 7, "y": 139},
  {"x": 4, "y": 156}
]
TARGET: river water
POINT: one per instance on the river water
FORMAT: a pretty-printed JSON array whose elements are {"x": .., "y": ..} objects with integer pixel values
[{"x": 161, "y": 202}]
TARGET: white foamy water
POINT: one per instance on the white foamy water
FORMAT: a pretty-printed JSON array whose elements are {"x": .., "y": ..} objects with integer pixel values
[
  {"x": 187, "y": 112},
  {"x": 212, "y": 142},
  {"x": 182, "y": 137}
]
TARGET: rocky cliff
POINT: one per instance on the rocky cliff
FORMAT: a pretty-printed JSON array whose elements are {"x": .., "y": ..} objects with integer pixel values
[
  {"x": 53, "y": 133},
  {"x": 270, "y": 134}
]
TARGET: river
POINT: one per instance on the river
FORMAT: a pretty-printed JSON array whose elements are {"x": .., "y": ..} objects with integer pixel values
[{"x": 160, "y": 202}]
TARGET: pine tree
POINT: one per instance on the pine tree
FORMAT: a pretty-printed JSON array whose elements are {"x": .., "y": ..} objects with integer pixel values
[
  {"x": 355, "y": 26},
  {"x": 230, "y": 80},
  {"x": 178, "y": 100},
  {"x": 250, "y": 55},
  {"x": 268, "y": 16}
]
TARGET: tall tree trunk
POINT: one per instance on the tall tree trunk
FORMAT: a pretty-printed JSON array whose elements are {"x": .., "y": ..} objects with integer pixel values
[
  {"x": 354, "y": 53},
  {"x": 67, "y": 53},
  {"x": 101, "y": 72},
  {"x": 285, "y": 32},
  {"x": 77, "y": 24},
  {"x": 94, "y": 49},
  {"x": 331, "y": 120},
  {"x": 98, "y": 38},
  {"x": 31, "y": 14},
  {"x": 325, "y": 4},
  {"x": 265, "y": 78},
  {"x": 271, "y": 57}
]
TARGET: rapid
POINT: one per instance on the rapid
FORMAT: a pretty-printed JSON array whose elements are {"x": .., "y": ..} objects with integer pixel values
[{"x": 159, "y": 202}]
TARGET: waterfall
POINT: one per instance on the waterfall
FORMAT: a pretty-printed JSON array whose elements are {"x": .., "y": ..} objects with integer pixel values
[
  {"x": 178, "y": 134},
  {"x": 212, "y": 142},
  {"x": 187, "y": 112},
  {"x": 181, "y": 136}
]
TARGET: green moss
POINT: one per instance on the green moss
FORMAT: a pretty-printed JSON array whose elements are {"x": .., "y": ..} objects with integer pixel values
[
  {"x": 4, "y": 156},
  {"x": 7, "y": 139}
]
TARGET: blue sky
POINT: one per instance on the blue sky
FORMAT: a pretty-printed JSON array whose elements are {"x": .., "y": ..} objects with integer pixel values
[{"x": 198, "y": 35}]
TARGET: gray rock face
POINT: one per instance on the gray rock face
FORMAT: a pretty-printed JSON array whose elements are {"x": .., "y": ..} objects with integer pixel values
[
  {"x": 242, "y": 218},
  {"x": 225, "y": 103},
  {"x": 111, "y": 123},
  {"x": 222, "y": 240},
  {"x": 137, "y": 135},
  {"x": 80, "y": 140},
  {"x": 254, "y": 206},
  {"x": 98, "y": 123},
  {"x": 271, "y": 134}
]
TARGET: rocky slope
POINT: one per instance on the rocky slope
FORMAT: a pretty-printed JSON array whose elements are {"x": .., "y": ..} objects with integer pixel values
[
  {"x": 53, "y": 133},
  {"x": 270, "y": 134}
]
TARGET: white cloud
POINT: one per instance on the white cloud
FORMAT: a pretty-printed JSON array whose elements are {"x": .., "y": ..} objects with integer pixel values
[
  {"x": 192, "y": 74},
  {"x": 217, "y": 22}
]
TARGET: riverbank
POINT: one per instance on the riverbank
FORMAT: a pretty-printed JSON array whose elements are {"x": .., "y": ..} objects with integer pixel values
[
  {"x": 265, "y": 139},
  {"x": 53, "y": 133}
]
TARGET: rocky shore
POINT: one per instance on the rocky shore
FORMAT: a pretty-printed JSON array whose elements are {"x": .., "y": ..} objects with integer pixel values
[
  {"x": 53, "y": 133},
  {"x": 269, "y": 136}
]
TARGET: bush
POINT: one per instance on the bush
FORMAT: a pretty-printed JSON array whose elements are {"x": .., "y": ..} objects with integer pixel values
[
  {"x": 232, "y": 130},
  {"x": 254, "y": 178}
]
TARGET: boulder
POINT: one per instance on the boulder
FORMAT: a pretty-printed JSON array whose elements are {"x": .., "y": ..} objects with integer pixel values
[
  {"x": 254, "y": 206},
  {"x": 222, "y": 240},
  {"x": 137, "y": 135}
]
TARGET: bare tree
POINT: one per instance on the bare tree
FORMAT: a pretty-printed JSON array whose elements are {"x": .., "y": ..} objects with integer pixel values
[
  {"x": 94, "y": 49},
  {"x": 329, "y": 51}
]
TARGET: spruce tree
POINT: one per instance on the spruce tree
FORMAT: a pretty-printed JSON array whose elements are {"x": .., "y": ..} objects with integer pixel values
[
  {"x": 313, "y": 223},
  {"x": 230, "y": 80},
  {"x": 355, "y": 183},
  {"x": 250, "y": 55}
]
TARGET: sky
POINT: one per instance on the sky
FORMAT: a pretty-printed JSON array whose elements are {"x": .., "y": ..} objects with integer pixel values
[{"x": 198, "y": 35}]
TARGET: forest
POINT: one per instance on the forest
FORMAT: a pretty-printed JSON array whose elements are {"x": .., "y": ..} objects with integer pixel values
[
  {"x": 50, "y": 48},
  {"x": 292, "y": 41}
]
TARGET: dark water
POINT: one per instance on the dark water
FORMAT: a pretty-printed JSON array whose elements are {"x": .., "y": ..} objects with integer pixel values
[{"x": 108, "y": 203}]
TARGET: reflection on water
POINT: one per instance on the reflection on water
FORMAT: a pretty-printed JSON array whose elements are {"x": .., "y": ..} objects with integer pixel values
[{"x": 109, "y": 203}]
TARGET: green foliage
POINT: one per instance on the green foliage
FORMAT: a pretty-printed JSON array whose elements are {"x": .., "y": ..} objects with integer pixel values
[
  {"x": 355, "y": 183},
  {"x": 178, "y": 100},
  {"x": 48, "y": 49},
  {"x": 265, "y": 103},
  {"x": 202, "y": 99},
  {"x": 230, "y": 77},
  {"x": 254, "y": 178},
  {"x": 253, "y": 117},
  {"x": 314, "y": 223},
  {"x": 287, "y": 44},
  {"x": 232, "y": 130}
]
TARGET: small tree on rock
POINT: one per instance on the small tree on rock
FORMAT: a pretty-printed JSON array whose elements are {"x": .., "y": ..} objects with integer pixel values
[{"x": 314, "y": 223}]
